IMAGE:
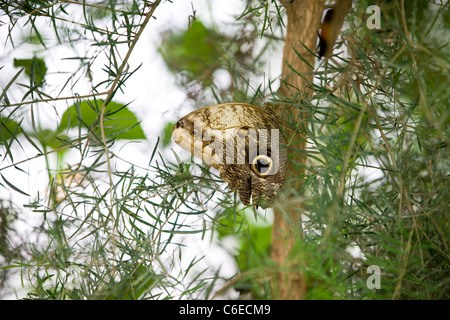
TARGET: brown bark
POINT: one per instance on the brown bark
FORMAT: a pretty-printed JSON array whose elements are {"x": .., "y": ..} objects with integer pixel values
[{"x": 303, "y": 23}]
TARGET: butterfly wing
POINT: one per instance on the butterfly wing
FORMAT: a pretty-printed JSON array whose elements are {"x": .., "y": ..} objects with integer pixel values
[{"x": 243, "y": 143}]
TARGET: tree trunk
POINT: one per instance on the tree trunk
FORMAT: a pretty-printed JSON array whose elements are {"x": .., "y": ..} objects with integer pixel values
[{"x": 303, "y": 23}]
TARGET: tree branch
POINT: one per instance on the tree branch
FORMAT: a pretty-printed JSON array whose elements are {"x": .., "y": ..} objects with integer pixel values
[{"x": 303, "y": 24}]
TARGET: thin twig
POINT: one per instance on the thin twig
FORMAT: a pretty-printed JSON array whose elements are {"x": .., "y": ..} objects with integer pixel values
[
  {"x": 42, "y": 155},
  {"x": 54, "y": 99}
]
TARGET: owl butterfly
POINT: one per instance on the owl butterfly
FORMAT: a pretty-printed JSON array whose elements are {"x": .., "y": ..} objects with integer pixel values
[{"x": 243, "y": 143}]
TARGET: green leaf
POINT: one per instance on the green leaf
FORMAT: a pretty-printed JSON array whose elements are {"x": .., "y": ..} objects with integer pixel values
[
  {"x": 167, "y": 134},
  {"x": 8, "y": 128},
  {"x": 195, "y": 51},
  {"x": 35, "y": 69},
  {"x": 254, "y": 247},
  {"x": 231, "y": 222},
  {"x": 120, "y": 122},
  {"x": 52, "y": 139}
]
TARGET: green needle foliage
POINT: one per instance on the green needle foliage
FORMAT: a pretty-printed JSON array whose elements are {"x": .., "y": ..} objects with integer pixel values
[
  {"x": 378, "y": 173},
  {"x": 375, "y": 191}
]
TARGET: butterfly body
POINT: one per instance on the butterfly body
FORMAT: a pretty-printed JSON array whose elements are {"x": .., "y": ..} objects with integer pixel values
[{"x": 243, "y": 142}]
